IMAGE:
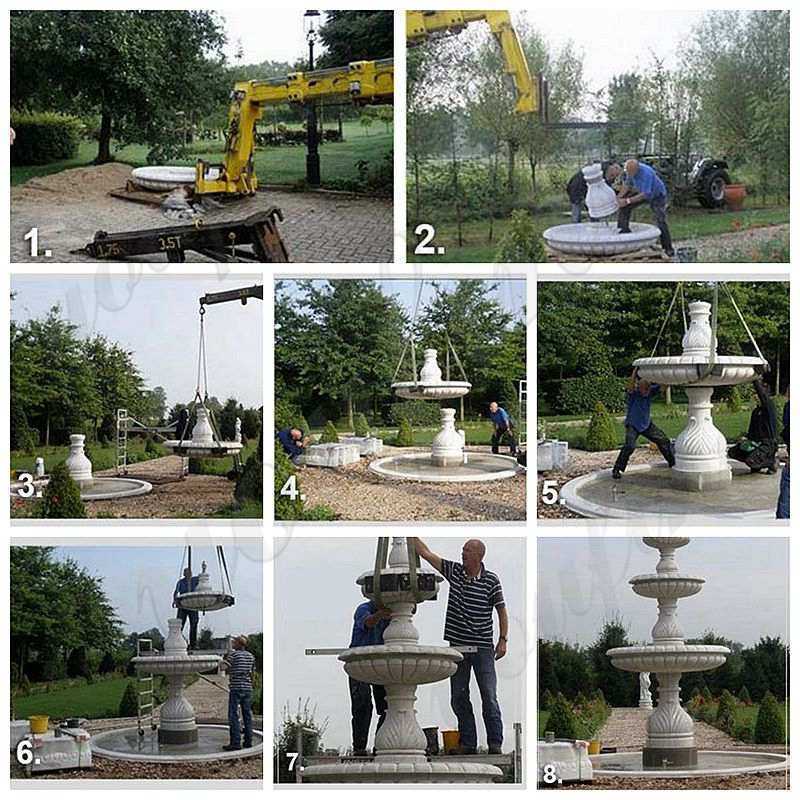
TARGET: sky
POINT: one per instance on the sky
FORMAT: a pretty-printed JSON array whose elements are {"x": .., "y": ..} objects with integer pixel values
[
  {"x": 509, "y": 293},
  {"x": 274, "y": 34},
  {"x": 583, "y": 582},
  {"x": 139, "y": 582},
  {"x": 156, "y": 317},
  {"x": 323, "y": 618}
]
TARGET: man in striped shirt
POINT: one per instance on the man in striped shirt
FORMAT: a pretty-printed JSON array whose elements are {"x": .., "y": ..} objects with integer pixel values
[
  {"x": 241, "y": 665},
  {"x": 474, "y": 594}
]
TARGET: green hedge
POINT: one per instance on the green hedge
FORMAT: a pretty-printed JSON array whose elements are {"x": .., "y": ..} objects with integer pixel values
[
  {"x": 418, "y": 413},
  {"x": 44, "y": 137},
  {"x": 580, "y": 395}
]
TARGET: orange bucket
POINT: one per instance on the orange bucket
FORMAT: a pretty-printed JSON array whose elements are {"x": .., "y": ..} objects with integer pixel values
[{"x": 452, "y": 741}]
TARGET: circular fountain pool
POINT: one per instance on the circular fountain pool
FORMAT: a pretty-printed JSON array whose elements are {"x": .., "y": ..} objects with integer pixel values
[
  {"x": 709, "y": 762},
  {"x": 126, "y": 744},
  {"x": 421, "y": 467},
  {"x": 599, "y": 238}
]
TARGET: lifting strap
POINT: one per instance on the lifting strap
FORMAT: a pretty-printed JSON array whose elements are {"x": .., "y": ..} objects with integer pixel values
[
  {"x": 678, "y": 289},
  {"x": 744, "y": 325},
  {"x": 410, "y": 341}
]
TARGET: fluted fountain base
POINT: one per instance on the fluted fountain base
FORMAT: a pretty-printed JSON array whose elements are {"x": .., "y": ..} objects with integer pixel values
[{"x": 669, "y": 757}]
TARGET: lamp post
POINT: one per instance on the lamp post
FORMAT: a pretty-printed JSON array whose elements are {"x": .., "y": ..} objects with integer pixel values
[{"x": 312, "y": 139}]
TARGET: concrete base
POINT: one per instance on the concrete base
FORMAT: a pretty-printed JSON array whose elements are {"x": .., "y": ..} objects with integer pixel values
[
  {"x": 700, "y": 481},
  {"x": 403, "y": 771},
  {"x": 67, "y": 751},
  {"x": 166, "y": 736},
  {"x": 669, "y": 757},
  {"x": 551, "y": 454},
  {"x": 709, "y": 763},
  {"x": 646, "y": 490},
  {"x": 330, "y": 455},
  {"x": 367, "y": 445}
]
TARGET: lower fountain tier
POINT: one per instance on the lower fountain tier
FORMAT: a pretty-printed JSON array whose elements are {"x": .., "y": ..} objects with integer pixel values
[
  {"x": 202, "y": 450},
  {"x": 400, "y": 664},
  {"x": 599, "y": 238},
  {"x": 668, "y": 658},
  {"x": 420, "y": 466},
  {"x": 416, "y": 770}
]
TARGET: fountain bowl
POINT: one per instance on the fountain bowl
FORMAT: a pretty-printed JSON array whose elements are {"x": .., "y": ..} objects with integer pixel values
[
  {"x": 163, "y": 664},
  {"x": 599, "y": 238},
  {"x": 400, "y": 664},
  {"x": 709, "y": 763},
  {"x": 693, "y": 370},
  {"x": 162, "y": 179},
  {"x": 443, "y": 390},
  {"x": 668, "y": 657},
  {"x": 670, "y": 587}
]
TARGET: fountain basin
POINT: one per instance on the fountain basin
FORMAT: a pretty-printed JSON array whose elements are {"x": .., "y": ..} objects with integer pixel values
[
  {"x": 195, "y": 450},
  {"x": 664, "y": 658},
  {"x": 127, "y": 745},
  {"x": 421, "y": 467},
  {"x": 709, "y": 763},
  {"x": 163, "y": 179},
  {"x": 697, "y": 370},
  {"x": 443, "y": 390},
  {"x": 417, "y": 771},
  {"x": 670, "y": 587},
  {"x": 400, "y": 664},
  {"x": 599, "y": 238}
]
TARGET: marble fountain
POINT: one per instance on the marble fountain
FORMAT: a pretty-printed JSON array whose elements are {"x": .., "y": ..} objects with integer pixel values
[
  {"x": 400, "y": 664},
  {"x": 600, "y": 236},
  {"x": 178, "y": 738},
  {"x": 447, "y": 460},
  {"x": 670, "y": 749},
  {"x": 203, "y": 442},
  {"x": 703, "y": 480}
]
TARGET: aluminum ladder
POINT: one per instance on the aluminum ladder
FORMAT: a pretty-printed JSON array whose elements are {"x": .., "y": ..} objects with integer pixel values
[{"x": 145, "y": 697}]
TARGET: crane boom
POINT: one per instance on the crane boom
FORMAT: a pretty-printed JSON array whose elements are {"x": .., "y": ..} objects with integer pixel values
[
  {"x": 362, "y": 82},
  {"x": 531, "y": 94},
  {"x": 212, "y": 298}
]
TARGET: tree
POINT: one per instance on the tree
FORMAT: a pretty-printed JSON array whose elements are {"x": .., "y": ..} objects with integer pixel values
[
  {"x": 61, "y": 498},
  {"x": 620, "y": 688},
  {"x": 770, "y": 726},
  {"x": 129, "y": 704},
  {"x": 562, "y": 720},
  {"x": 206, "y": 639},
  {"x": 146, "y": 74},
  {"x": 302, "y": 721},
  {"x": 356, "y": 36}
]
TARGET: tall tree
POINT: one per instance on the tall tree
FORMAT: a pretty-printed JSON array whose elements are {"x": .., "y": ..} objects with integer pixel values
[{"x": 356, "y": 36}]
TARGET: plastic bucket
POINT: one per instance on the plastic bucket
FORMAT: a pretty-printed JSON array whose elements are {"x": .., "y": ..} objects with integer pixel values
[
  {"x": 38, "y": 723},
  {"x": 452, "y": 741},
  {"x": 594, "y": 747}
]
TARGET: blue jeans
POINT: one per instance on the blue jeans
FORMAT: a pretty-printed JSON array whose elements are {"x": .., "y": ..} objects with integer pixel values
[
  {"x": 783, "y": 497},
  {"x": 575, "y": 210},
  {"x": 243, "y": 698},
  {"x": 482, "y": 663}
]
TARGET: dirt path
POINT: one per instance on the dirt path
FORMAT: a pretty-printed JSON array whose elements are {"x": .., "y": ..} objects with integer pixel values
[
  {"x": 741, "y": 246},
  {"x": 69, "y": 207},
  {"x": 355, "y": 493}
]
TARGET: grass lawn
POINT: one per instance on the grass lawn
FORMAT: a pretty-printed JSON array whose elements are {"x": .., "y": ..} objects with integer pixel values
[
  {"x": 746, "y": 716},
  {"x": 283, "y": 165},
  {"x": 93, "y": 701},
  {"x": 477, "y": 433},
  {"x": 672, "y": 422},
  {"x": 684, "y": 223},
  {"x": 101, "y": 456}
]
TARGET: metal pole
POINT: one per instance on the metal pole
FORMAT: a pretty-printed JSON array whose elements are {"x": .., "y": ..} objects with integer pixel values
[
  {"x": 313, "y": 176},
  {"x": 517, "y": 752}
]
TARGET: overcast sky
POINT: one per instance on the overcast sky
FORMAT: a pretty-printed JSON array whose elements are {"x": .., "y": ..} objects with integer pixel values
[
  {"x": 584, "y": 581},
  {"x": 139, "y": 582},
  {"x": 156, "y": 317},
  {"x": 315, "y": 597}
]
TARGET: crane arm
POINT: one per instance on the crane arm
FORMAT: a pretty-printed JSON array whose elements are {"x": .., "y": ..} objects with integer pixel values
[
  {"x": 424, "y": 25},
  {"x": 362, "y": 82},
  {"x": 213, "y": 298}
]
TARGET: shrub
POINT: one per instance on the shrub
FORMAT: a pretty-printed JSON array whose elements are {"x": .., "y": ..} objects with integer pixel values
[
  {"x": 151, "y": 448},
  {"x": 744, "y": 696},
  {"x": 522, "y": 243},
  {"x": 602, "y": 433},
  {"x": 128, "y": 705},
  {"x": 360, "y": 426},
  {"x": 734, "y": 401},
  {"x": 288, "y": 415},
  {"x": 330, "y": 434},
  {"x": 202, "y": 466},
  {"x": 61, "y": 498},
  {"x": 285, "y": 507},
  {"x": 44, "y": 137},
  {"x": 707, "y": 696},
  {"x": 562, "y": 720},
  {"x": 107, "y": 664},
  {"x": 23, "y": 437},
  {"x": 547, "y": 700},
  {"x": 695, "y": 693},
  {"x": 769, "y": 727},
  {"x": 581, "y": 394},
  {"x": 581, "y": 700},
  {"x": 417, "y": 412},
  {"x": 250, "y": 485},
  {"x": 405, "y": 435},
  {"x": 743, "y": 732},
  {"x": 726, "y": 712}
]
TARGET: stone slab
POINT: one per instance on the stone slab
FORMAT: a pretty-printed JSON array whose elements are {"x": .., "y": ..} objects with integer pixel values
[
  {"x": 551, "y": 454},
  {"x": 330, "y": 455},
  {"x": 367, "y": 445}
]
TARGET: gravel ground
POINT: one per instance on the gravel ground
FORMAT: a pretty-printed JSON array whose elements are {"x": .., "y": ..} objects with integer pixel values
[
  {"x": 738, "y": 246},
  {"x": 625, "y": 729},
  {"x": 69, "y": 207},
  {"x": 356, "y": 494}
]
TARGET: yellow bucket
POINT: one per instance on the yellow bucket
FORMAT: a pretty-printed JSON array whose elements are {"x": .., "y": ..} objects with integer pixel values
[
  {"x": 451, "y": 740},
  {"x": 594, "y": 747},
  {"x": 38, "y": 723}
]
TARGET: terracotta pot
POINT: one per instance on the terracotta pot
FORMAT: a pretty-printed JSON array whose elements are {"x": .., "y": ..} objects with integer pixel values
[{"x": 735, "y": 194}]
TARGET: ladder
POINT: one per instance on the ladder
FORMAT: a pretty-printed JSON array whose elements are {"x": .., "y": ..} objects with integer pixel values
[
  {"x": 145, "y": 697},
  {"x": 122, "y": 441},
  {"x": 523, "y": 414}
]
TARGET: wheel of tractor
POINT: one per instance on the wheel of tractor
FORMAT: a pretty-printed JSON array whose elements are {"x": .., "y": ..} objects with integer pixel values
[{"x": 711, "y": 191}]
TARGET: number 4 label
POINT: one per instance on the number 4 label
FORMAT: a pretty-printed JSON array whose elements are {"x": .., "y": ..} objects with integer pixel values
[{"x": 290, "y": 490}]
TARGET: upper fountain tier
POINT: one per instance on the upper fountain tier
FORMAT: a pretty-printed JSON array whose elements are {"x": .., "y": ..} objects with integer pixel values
[
  {"x": 175, "y": 660},
  {"x": 699, "y": 365},
  {"x": 431, "y": 385},
  {"x": 668, "y": 582}
]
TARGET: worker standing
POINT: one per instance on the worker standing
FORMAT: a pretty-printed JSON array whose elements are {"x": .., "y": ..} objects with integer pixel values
[
  {"x": 640, "y": 394},
  {"x": 641, "y": 184},
  {"x": 241, "y": 666},
  {"x": 503, "y": 428},
  {"x": 185, "y": 585}
]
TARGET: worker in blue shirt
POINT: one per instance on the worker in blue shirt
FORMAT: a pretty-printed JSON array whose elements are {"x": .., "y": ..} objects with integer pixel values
[
  {"x": 638, "y": 423},
  {"x": 188, "y": 583},
  {"x": 641, "y": 184},
  {"x": 369, "y": 623},
  {"x": 293, "y": 443},
  {"x": 503, "y": 426}
]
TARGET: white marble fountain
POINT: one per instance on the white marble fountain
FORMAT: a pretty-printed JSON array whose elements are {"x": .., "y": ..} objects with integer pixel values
[
  {"x": 401, "y": 664},
  {"x": 447, "y": 460},
  {"x": 203, "y": 442},
  {"x": 670, "y": 749},
  {"x": 701, "y": 461},
  {"x": 599, "y": 238}
]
